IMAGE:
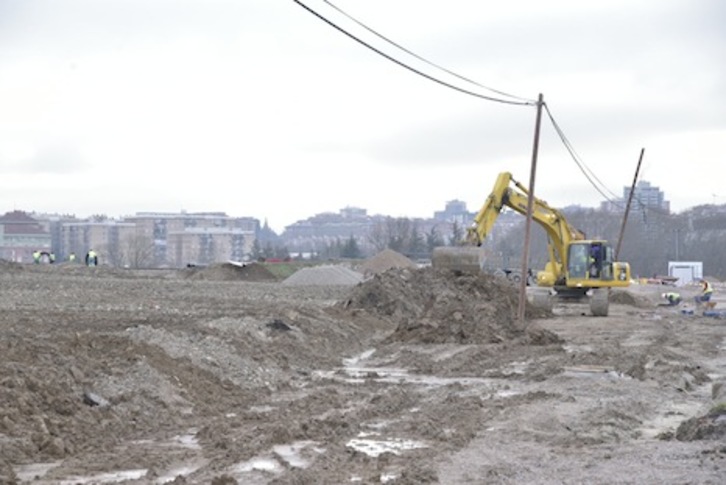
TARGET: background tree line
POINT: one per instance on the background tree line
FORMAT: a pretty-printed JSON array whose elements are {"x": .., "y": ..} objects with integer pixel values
[{"x": 651, "y": 239}]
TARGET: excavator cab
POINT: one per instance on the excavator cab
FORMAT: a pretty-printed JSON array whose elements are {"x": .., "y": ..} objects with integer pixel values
[{"x": 590, "y": 264}]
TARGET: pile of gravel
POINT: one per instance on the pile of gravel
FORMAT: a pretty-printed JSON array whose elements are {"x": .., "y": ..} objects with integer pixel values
[
  {"x": 384, "y": 261},
  {"x": 324, "y": 275}
]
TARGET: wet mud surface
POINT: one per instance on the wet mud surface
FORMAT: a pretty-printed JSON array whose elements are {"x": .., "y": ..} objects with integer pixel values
[{"x": 409, "y": 377}]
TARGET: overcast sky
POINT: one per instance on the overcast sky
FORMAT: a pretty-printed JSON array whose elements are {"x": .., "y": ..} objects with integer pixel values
[{"x": 258, "y": 108}]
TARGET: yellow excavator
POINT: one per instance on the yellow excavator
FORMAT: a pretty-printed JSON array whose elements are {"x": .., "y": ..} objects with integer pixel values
[{"x": 577, "y": 269}]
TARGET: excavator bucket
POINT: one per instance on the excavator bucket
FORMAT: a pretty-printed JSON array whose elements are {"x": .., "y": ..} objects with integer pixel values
[{"x": 467, "y": 259}]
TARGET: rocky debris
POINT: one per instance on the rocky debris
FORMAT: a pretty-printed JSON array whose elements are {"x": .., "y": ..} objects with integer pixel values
[
  {"x": 384, "y": 261},
  {"x": 324, "y": 275},
  {"x": 442, "y": 306},
  {"x": 278, "y": 324},
  {"x": 230, "y": 272},
  {"x": 93, "y": 399}
]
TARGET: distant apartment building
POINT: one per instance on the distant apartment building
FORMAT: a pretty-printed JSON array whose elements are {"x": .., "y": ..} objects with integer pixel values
[
  {"x": 112, "y": 240},
  {"x": 183, "y": 238},
  {"x": 21, "y": 235},
  {"x": 455, "y": 211},
  {"x": 203, "y": 246},
  {"x": 645, "y": 196},
  {"x": 318, "y": 231}
]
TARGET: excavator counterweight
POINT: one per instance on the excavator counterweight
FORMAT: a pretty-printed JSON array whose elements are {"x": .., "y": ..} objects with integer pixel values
[{"x": 465, "y": 259}]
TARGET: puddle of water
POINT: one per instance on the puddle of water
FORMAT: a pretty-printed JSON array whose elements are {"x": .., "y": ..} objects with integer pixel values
[
  {"x": 26, "y": 473},
  {"x": 258, "y": 464},
  {"x": 573, "y": 349},
  {"x": 396, "y": 375},
  {"x": 519, "y": 367},
  {"x": 261, "y": 409},
  {"x": 351, "y": 374},
  {"x": 290, "y": 454},
  {"x": 109, "y": 477},
  {"x": 187, "y": 440},
  {"x": 183, "y": 470},
  {"x": 375, "y": 448},
  {"x": 594, "y": 371},
  {"x": 354, "y": 360},
  {"x": 385, "y": 478}
]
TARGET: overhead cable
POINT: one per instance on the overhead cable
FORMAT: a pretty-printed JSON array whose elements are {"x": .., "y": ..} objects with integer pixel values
[
  {"x": 581, "y": 165},
  {"x": 412, "y": 69},
  {"x": 407, "y": 51},
  {"x": 590, "y": 175}
]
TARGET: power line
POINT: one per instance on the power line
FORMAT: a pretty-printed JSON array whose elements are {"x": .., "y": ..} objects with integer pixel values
[
  {"x": 586, "y": 171},
  {"x": 590, "y": 175},
  {"x": 412, "y": 69},
  {"x": 407, "y": 51}
]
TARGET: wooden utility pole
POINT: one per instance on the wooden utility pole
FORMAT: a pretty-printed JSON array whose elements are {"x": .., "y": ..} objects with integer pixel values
[
  {"x": 627, "y": 206},
  {"x": 528, "y": 223}
]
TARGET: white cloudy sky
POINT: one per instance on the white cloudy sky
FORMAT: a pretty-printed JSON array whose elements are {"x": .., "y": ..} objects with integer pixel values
[{"x": 258, "y": 108}]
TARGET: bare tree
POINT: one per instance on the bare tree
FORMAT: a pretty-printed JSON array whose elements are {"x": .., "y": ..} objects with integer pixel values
[{"x": 133, "y": 251}]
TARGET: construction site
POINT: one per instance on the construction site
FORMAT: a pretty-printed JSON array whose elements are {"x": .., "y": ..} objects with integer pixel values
[{"x": 380, "y": 372}]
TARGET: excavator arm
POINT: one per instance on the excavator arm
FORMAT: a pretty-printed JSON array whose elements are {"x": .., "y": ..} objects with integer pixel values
[{"x": 508, "y": 192}]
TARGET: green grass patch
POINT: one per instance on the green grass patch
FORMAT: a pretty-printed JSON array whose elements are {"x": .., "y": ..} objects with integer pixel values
[
  {"x": 718, "y": 410},
  {"x": 283, "y": 270}
]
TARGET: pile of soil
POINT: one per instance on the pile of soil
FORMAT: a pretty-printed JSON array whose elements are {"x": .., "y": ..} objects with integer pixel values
[
  {"x": 442, "y": 306},
  {"x": 712, "y": 426},
  {"x": 324, "y": 275},
  {"x": 624, "y": 297},
  {"x": 230, "y": 272},
  {"x": 384, "y": 261}
]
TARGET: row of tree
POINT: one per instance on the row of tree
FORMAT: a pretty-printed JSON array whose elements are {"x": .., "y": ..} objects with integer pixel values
[{"x": 648, "y": 241}]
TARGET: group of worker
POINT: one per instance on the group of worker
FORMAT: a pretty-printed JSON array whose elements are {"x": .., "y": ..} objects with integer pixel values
[
  {"x": 674, "y": 299},
  {"x": 40, "y": 256},
  {"x": 43, "y": 256}
]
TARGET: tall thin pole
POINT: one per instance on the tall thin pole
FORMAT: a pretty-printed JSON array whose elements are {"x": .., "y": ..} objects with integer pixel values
[
  {"x": 528, "y": 224},
  {"x": 627, "y": 206}
]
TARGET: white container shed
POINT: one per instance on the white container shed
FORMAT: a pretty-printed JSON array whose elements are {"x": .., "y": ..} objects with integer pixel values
[{"x": 686, "y": 271}]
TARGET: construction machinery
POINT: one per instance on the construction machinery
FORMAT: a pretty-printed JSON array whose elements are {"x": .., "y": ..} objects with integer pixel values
[{"x": 578, "y": 269}]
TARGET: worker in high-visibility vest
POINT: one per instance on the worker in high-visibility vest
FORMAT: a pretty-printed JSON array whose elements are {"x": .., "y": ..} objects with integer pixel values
[
  {"x": 91, "y": 258},
  {"x": 672, "y": 298},
  {"x": 706, "y": 293}
]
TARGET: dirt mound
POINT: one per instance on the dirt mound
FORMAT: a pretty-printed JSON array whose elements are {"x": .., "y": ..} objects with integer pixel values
[
  {"x": 712, "y": 426},
  {"x": 624, "y": 297},
  {"x": 324, "y": 275},
  {"x": 386, "y": 260},
  {"x": 230, "y": 272},
  {"x": 434, "y": 306}
]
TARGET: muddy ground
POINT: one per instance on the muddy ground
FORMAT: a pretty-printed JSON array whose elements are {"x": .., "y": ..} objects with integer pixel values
[{"x": 410, "y": 377}]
